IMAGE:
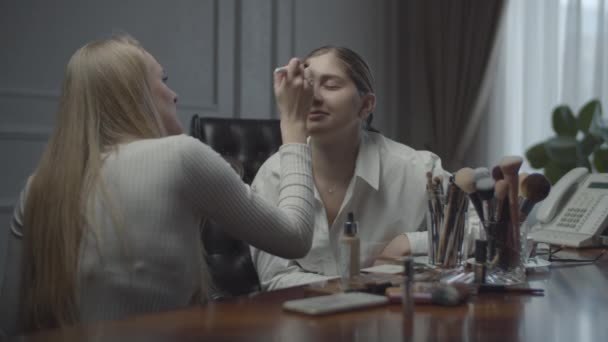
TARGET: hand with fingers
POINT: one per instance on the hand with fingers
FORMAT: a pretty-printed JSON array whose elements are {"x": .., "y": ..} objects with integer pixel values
[{"x": 293, "y": 91}]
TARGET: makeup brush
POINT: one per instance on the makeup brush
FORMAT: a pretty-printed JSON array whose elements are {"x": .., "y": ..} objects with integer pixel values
[
  {"x": 520, "y": 179},
  {"x": 497, "y": 173},
  {"x": 500, "y": 192},
  {"x": 481, "y": 172},
  {"x": 465, "y": 180},
  {"x": 534, "y": 188},
  {"x": 485, "y": 190},
  {"x": 429, "y": 181},
  {"x": 510, "y": 167},
  {"x": 438, "y": 181},
  {"x": 448, "y": 218}
]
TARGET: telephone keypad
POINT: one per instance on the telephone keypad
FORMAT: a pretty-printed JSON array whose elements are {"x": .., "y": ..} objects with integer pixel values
[{"x": 573, "y": 215}]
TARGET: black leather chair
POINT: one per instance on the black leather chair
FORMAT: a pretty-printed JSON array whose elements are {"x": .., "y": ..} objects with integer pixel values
[{"x": 245, "y": 144}]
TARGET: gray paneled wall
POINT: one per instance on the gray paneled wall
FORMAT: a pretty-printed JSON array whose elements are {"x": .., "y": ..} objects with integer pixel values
[{"x": 219, "y": 55}]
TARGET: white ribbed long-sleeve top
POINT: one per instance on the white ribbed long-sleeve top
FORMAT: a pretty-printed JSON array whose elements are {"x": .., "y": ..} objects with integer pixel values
[{"x": 142, "y": 252}]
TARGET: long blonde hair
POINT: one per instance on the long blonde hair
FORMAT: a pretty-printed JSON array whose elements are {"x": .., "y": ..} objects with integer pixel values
[{"x": 106, "y": 99}]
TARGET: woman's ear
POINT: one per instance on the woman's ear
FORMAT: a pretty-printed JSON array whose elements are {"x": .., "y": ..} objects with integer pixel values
[{"x": 368, "y": 106}]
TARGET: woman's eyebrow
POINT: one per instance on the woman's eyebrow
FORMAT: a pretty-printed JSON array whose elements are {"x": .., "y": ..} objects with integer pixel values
[{"x": 328, "y": 76}]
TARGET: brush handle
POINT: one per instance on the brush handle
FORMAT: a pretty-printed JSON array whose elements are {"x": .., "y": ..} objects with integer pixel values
[{"x": 513, "y": 182}]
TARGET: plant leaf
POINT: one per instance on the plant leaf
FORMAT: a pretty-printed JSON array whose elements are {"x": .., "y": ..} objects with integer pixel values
[
  {"x": 589, "y": 144},
  {"x": 564, "y": 122},
  {"x": 586, "y": 114},
  {"x": 554, "y": 171},
  {"x": 537, "y": 156},
  {"x": 598, "y": 126},
  {"x": 600, "y": 160},
  {"x": 562, "y": 149}
]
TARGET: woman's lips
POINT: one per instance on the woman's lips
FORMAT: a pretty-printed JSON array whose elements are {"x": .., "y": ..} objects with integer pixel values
[{"x": 317, "y": 115}]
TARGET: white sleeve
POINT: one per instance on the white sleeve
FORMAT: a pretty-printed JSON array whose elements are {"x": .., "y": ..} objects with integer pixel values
[
  {"x": 215, "y": 190},
  {"x": 278, "y": 273},
  {"x": 275, "y": 272}
]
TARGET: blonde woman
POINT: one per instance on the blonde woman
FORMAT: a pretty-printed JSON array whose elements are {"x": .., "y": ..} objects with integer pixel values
[{"x": 108, "y": 224}]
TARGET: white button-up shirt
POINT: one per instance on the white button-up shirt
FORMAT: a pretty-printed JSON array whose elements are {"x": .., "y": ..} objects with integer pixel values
[{"x": 387, "y": 195}]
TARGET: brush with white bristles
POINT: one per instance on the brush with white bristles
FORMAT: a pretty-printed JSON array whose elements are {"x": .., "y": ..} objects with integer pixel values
[{"x": 465, "y": 180}]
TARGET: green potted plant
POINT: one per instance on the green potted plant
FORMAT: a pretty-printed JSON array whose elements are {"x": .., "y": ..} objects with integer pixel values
[{"x": 579, "y": 141}]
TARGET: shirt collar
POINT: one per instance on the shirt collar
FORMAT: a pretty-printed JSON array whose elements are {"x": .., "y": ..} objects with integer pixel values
[
  {"x": 368, "y": 161},
  {"x": 367, "y": 166}
]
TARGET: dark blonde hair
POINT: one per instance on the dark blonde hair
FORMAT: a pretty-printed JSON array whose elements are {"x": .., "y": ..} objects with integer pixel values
[
  {"x": 356, "y": 69},
  {"x": 106, "y": 99}
]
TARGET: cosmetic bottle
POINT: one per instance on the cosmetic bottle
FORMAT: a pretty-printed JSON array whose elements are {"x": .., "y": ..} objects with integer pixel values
[
  {"x": 479, "y": 267},
  {"x": 408, "y": 280},
  {"x": 349, "y": 249}
]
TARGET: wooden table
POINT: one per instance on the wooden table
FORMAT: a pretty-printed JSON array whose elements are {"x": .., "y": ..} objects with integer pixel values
[{"x": 574, "y": 308}]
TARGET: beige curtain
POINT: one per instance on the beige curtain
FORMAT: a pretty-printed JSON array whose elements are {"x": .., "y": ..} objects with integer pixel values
[{"x": 444, "y": 51}]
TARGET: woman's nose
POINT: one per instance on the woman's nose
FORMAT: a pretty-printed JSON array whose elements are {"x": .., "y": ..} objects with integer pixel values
[{"x": 316, "y": 95}]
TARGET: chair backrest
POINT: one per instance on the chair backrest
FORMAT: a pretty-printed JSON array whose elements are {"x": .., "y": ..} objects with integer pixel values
[
  {"x": 246, "y": 144},
  {"x": 250, "y": 141}
]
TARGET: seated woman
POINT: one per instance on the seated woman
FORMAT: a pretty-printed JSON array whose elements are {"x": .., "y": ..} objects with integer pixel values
[
  {"x": 355, "y": 170},
  {"x": 108, "y": 225}
]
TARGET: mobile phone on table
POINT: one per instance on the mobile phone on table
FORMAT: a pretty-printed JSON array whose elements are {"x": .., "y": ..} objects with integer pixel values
[{"x": 334, "y": 303}]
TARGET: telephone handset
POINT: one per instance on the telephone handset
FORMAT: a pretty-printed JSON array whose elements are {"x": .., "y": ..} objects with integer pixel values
[{"x": 576, "y": 210}]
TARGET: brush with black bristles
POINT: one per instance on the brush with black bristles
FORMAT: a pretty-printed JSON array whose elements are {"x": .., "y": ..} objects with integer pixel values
[
  {"x": 497, "y": 173},
  {"x": 534, "y": 188}
]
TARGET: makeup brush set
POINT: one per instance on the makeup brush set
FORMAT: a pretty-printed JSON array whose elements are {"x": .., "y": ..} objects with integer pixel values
[
  {"x": 503, "y": 199},
  {"x": 446, "y": 221}
]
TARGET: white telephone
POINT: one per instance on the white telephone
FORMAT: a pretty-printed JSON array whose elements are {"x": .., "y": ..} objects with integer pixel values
[{"x": 576, "y": 210}]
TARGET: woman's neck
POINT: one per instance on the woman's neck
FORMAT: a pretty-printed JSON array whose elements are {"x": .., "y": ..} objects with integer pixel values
[{"x": 334, "y": 158}]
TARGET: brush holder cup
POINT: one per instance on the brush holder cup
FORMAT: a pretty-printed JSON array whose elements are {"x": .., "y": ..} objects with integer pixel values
[
  {"x": 446, "y": 222},
  {"x": 505, "y": 253}
]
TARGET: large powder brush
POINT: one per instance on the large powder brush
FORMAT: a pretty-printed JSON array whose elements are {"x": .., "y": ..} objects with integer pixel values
[
  {"x": 497, "y": 173},
  {"x": 534, "y": 188},
  {"x": 465, "y": 180},
  {"x": 481, "y": 172},
  {"x": 521, "y": 178}
]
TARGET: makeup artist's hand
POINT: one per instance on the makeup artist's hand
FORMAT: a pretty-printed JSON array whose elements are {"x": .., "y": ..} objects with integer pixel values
[
  {"x": 398, "y": 247},
  {"x": 293, "y": 91}
]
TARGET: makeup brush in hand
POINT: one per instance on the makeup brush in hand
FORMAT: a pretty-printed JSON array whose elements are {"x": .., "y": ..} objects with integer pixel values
[{"x": 534, "y": 188}]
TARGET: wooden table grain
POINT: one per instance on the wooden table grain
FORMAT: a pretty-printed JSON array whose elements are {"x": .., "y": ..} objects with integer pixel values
[{"x": 573, "y": 308}]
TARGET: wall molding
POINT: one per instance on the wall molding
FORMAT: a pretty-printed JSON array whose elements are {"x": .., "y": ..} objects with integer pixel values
[
  {"x": 25, "y": 132},
  {"x": 7, "y": 206},
  {"x": 29, "y": 93}
]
